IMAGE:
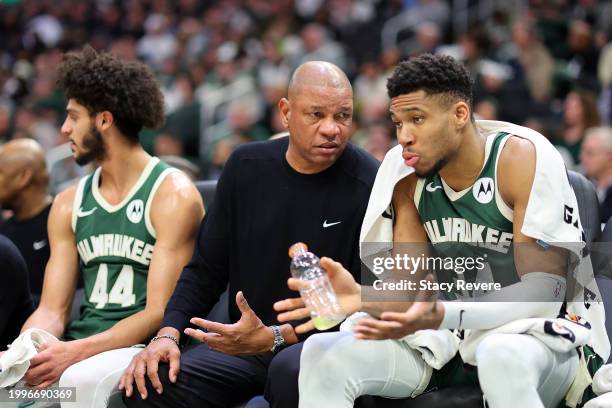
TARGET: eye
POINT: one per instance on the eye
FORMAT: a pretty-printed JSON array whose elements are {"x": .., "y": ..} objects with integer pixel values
[
  {"x": 317, "y": 114},
  {"x": 343, "y": 116},
  {"x": 418, "y": 120},
  {"x": 398, "y": 125}
]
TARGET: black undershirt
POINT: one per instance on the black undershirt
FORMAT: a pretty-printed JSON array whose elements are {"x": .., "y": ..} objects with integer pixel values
[
  {"x": 15, "y": 299},
  {"x": 30, "y": 237}
]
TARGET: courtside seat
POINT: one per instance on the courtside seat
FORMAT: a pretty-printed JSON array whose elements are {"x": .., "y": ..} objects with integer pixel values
[
  {"x": 207, "y": 189},
  {"x": 604, "y": 274},
  {"x": 588, "y": 205}
]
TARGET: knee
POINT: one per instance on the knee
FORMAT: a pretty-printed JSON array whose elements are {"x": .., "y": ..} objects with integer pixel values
[
  {"x": 328, "y": 354},
  {"x": 79, "y": 376},
  {"x": 497, "y": 358},
  {"x": 284, "y": 366}
]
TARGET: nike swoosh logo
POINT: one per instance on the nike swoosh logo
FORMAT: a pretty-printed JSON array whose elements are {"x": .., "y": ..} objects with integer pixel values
[
  {"x": 431, "y": 188},
  {"x": 461, "y": 318},
  {"x": 326, "y": 224},
  {"x": 82, "y": 213},
  {"x": 38, "y": 245}
]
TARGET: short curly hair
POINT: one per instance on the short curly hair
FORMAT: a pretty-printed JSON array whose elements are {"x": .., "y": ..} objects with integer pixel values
[
  {"x": 438, "y": 75},
  {"x": 102, "y": 82}
]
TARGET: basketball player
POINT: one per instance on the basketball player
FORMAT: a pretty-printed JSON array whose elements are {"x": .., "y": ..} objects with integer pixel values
[
  {"x": 128, "y": 228},
  {"x": 462, "y": 178}
]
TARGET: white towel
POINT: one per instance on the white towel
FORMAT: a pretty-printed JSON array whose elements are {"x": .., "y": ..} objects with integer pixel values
[
  {"x": 559, "y": 334},
  {"x": 603, "y": 401},
  {"x": 602, "y": 380},
  {"x": 545, "y": 220},
  {"x": 437, "y": 347},
  {"x": 16, "y": 360}
]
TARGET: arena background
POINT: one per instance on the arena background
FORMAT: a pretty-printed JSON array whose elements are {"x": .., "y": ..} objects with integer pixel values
[{"x": 223, "y": 65}]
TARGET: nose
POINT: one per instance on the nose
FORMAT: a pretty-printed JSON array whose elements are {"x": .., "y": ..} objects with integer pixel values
[
  {"x": 66, "y": 129},
  {"x": 404, "y": 137},
  {"x": 329, "y": 128}
]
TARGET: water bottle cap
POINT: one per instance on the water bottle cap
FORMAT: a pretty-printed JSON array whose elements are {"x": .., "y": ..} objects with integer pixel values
[{"x": 297, "y": 247}]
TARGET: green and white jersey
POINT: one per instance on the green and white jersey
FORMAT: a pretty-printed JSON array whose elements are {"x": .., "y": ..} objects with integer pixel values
[
  {"x": 115, "y": 245},
  {"x": 471, "y": 223}
]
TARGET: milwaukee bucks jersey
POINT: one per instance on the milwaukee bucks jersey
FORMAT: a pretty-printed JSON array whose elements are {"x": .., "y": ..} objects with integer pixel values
[
  {"x": 474, "y": 223},
  {"x": 115, "y": 245}
]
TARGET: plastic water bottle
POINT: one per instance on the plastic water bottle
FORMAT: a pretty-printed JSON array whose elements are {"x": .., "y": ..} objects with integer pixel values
[{"x": 318, "y": 295}]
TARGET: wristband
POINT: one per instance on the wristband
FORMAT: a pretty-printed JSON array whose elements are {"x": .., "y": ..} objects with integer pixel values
[{"x": 165, "y": 336}]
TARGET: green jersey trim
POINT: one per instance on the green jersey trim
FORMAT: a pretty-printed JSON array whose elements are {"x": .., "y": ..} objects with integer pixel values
[
  {"x": 160, "y": 179},
  {"x": 456, "y": 195},
  {"x": 76, "y": 204},
  {"x": 141, "y": 180},
  {"x": 502, "y": 207}
]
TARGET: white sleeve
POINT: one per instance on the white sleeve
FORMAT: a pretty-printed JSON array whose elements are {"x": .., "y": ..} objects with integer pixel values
[{"x": 538, "y": 294}]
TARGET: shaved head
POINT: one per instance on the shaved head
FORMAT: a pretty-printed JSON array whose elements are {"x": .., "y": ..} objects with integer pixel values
[
  {"x": 317, "y": 74},
  {"x": 24, "y": 180},
  {"x": 318, "y": 113},
  {"x": 24, "y": 153}
]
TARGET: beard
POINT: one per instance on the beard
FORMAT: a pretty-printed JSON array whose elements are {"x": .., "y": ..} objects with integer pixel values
[
  {"x": 94, "y": 147},
  {"x": 433, "y": 170}
]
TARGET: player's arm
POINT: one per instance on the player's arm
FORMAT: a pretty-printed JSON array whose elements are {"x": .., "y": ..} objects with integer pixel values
[
  {"x": 541, "y": 268},
  {"x": 176, "y": 212},
  {"x": 409, "y": 238},
  {"x": 61, "y": 272}
]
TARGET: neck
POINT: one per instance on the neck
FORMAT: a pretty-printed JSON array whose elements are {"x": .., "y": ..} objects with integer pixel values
[
  {"x": 301, "y": 165},
  {"x": 122, "y": 167},
  {"x": 465, "y": 165},
  {"x": 31, "y": 203}
]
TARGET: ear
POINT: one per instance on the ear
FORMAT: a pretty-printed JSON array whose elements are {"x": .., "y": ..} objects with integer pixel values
[
  {"x": 104, "y": 120},
  {"x": 24, "y": 178},
  {"x": 462, "y": 114},
  {"x": 284, "y": 106}
]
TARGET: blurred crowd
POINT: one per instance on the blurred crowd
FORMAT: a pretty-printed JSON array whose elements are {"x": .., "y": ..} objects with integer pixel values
[{"x": 223, "y": 65}]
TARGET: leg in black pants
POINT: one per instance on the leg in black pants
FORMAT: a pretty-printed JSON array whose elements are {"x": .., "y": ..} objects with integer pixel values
[
  {"x": 282, "y": 384},
  {"x": 207, "y": 379}
]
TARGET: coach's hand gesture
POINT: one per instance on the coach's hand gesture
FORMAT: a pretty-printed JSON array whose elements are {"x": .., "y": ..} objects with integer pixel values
[
  {"x": 348, "y": 293},
  {"x": 247, "y": 336},
  {"x": 147, "y": 362}
]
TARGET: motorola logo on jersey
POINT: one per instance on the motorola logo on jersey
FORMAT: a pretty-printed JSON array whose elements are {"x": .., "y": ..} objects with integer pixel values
[
  {"x": 483, "y": 190},
  {"x": 135, "y": 210}
]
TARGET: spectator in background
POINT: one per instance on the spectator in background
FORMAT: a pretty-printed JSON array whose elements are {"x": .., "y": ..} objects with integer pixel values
[
  {"x": 371, "y": 92},
  {"x": 15, "y": 299},
  {"x": 579, "y": 114},
  {"x": 605, "y": 79},
  {"x": 240, "y": 128},
  {"x": 534, "y": 60},
  {"x": 378, "y": 139},
  {"x": 316, "y": 45},
  {"x": 596, "y": 160},
  {"x": 24, "y": 190},
  {"x": 583, "y": 54}
]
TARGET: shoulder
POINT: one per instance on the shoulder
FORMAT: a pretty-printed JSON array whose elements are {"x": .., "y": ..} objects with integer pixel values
[
  {"x": 176, "y": 190},
  {"x": 268, "y": 149},
  {"x": 359, "y": 164},
  {"x": 63, "y": 203},
  {"x": 516, "y": 168}
]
